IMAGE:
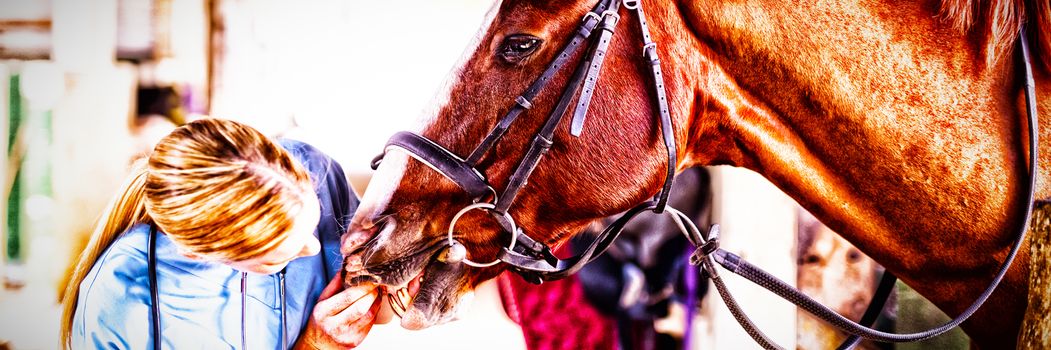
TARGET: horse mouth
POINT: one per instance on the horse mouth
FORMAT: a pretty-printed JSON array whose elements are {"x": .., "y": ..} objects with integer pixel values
[
  {"x": 420, "y": 290},
  {"x": 438, "y": 297},
  {"x": 400, "y": 299}
]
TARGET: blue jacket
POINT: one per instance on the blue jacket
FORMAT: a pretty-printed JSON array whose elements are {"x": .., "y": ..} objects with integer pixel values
[{"x": 200, "y": 303}]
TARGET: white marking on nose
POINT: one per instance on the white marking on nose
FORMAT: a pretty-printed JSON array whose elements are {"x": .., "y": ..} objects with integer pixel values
[
  {"x": 377, "y": 196},
  {"x": 385, "y": 180}
]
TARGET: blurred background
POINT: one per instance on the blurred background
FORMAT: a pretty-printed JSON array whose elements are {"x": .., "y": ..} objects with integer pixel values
[{"x": 87, "y": 86}]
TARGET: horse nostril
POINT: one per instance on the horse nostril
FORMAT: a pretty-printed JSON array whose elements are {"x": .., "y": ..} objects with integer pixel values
[
  {"x": 375, "y": 249},
  {"x": 362, "y": 235},
  {"x": 371, "y": 258},
  {"x": 354, "y": 240}
]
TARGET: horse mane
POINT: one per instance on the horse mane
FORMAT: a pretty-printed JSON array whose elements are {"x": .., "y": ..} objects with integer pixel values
[{"x": 1002, "y": 19}]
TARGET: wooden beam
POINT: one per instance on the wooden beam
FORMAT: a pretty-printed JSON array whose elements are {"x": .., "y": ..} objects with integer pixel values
[
  {"x": 5, "y": 108},
  {"x": 216, "y": 32},
  {"x": 1036, "y": 327},
  {"x": 25, "y": 24}
]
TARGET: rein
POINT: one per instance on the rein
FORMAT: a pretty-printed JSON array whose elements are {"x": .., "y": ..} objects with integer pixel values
[
  {"x": 708, "y": 254},
  {"x": 534, "y": 261}
]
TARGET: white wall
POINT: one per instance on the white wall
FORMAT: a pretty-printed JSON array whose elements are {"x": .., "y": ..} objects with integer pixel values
[
  {"x": 88, "y": 99},
  {"x": 759, "y": 224},
  {"x": 350, "y": 73},
  {"x": 83, "y": 34}
]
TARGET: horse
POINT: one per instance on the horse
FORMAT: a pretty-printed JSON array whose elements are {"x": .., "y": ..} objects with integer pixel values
[
  {"x": 836, "y": 273},
  {"x": 900, "y": 125}
]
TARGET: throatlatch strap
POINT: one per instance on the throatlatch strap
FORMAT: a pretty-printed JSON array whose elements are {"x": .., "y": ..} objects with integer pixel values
[{"x": 649, "y": 51}]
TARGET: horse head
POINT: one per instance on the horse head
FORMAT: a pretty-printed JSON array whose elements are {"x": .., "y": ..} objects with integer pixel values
[
  {"x": 617, "y": 161},
  {"x": 893, "y": 125}
]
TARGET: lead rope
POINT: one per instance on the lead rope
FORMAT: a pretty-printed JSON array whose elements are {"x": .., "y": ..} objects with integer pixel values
[
  {"x": 708, "y": 248},
  {"x": 707, "y": 245}
]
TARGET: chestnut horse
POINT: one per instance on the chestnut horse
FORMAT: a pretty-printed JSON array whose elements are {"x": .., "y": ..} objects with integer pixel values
[{"x": 899, "y": 124}]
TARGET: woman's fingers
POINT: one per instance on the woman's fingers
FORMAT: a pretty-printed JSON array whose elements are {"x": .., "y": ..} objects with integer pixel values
[
  {"x": 361, "y": 326},
  {"x": 360, "y": 309},
  {"x": 344, "y": 299},
  {"x": 342, "y": 317},
  {"x": 350, "y": 326}
]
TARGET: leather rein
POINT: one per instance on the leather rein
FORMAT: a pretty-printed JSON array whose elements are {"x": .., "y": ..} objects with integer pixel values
[{"x": 534, "y": 261}]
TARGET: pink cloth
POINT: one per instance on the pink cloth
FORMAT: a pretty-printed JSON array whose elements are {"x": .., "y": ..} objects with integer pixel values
[{"x": 555, "y": 315}]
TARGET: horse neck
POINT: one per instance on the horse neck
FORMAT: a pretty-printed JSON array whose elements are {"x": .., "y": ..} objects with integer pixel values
[{"x": 894, "y": 129}]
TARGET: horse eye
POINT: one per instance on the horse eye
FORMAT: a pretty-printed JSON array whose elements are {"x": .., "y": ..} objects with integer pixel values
[
  {"x": 854, "y": 255},
  {"x": 517, "y": 47}
]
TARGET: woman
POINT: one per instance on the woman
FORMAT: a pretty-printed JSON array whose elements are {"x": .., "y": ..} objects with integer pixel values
[{"x": 221, "y": 239}]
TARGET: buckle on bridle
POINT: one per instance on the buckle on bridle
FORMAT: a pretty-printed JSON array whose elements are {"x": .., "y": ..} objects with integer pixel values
[
  {"x": 610, "y": 14},
  {"x": 702, "y": 252},
  {"x": 591, "y": 15},
  {"x": 649, "y": 51},
  {"x": 375, "y": 163},
  {"x": 631, "y": 4},
  {"x": 522, "y": 101}
]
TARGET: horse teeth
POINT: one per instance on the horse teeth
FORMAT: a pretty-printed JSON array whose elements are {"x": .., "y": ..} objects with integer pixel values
[
  {"x": 396, "y": 304},
  {"x": 399, "y": 301}
]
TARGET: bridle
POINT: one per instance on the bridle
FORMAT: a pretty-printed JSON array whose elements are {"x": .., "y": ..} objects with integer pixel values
[
  {"x": 526, "y": 256},
  {"x": 534, "y": 261}
]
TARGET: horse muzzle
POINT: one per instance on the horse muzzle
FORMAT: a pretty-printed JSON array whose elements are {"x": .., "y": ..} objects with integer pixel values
[{"x": 424, "y": 279}]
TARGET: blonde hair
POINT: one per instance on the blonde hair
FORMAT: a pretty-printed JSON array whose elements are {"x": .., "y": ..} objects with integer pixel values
[{"x": 217, "y": 188}]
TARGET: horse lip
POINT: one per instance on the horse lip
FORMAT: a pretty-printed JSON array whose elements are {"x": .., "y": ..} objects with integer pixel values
[
  {"x": 438, "y": 298},
  {"x": 362, "y": 278},
  {"x": 424, "y": 311},
  {"x": 416, "y": 319},
  {"x": 424, "y": 314},
  {"x": 416, "y": 262}
]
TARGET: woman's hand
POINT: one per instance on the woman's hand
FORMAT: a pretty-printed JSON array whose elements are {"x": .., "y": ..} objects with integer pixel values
[{"x": 341, "y": 320}]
